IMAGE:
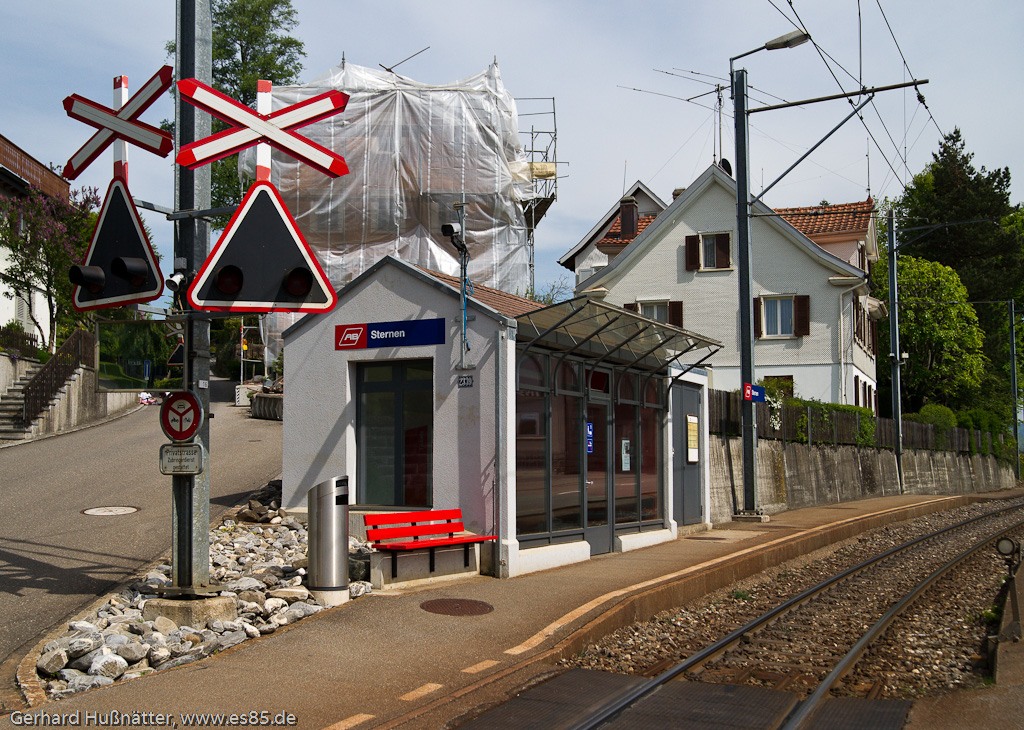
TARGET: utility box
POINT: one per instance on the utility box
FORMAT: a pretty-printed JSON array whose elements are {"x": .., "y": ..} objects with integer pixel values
[{"x": 328, "y": 541}]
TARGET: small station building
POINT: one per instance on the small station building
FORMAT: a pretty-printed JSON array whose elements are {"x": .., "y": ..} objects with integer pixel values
[{"x": 566, "y": 431}]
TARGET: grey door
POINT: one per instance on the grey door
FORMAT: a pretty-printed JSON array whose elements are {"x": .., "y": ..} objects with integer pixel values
[{"x": 686, "y": 461}]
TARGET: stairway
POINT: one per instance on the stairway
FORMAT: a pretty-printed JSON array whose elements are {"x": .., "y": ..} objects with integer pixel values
[{"x": 11, "y": 404}]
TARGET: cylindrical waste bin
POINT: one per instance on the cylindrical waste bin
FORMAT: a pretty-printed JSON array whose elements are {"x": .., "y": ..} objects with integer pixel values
[{"x": 328, "y": 541}]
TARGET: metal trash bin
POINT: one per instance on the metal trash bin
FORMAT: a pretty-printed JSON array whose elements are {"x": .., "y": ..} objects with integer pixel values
[{"x": 328, "y": 541}]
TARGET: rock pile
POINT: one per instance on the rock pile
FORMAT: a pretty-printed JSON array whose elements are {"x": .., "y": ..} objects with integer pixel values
[{"x": 261, "y": 563}]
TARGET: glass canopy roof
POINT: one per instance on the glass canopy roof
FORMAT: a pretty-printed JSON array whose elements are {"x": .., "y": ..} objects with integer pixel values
[{"x": 605, "y": 333}]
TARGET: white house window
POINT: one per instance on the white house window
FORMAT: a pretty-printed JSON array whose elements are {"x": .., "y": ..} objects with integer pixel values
[
  {"x": 709, "y": 247},
  {"x": 655, "y": 310},
  {"x": 708, "y": 252},
  {"x": 782, "y": 316},
  {"x": 778, "y": 316}
]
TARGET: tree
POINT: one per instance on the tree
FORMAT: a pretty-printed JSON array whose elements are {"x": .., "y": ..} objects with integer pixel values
[
  {"x": 988, "y": 256},
  {"x": 938, "y": 329},
  {"x": 250, "y": 42},
  {"x": 42, "y": 237}
]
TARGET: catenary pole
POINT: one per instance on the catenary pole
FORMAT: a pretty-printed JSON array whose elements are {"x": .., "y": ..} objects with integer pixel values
[{"x": 894, "y": 349}]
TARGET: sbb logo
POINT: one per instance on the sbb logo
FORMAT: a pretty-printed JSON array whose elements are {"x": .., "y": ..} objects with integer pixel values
[{"x": 350, "y": 337}]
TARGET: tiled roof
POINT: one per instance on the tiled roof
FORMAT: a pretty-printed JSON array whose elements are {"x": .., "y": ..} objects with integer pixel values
[
  {"x": 508, "y": 304},
  {"x": 614, "y": 235},
  {"x": 823, "y": 219}
]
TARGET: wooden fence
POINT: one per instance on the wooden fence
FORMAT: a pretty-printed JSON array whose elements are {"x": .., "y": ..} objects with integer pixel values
[{"x": 817, "y": 425}]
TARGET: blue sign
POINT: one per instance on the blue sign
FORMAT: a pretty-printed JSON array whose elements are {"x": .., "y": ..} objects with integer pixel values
[
  {"x": 590, "y": 444},
  {"x": 147, "y": 368},
  {"x": 757, "y": 393},
  {"x": 404, "y": 333},
  {"x": 590, "y": 430}
]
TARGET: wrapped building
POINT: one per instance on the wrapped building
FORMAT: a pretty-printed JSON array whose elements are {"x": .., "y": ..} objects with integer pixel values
[{"x": 414, "y": 152}]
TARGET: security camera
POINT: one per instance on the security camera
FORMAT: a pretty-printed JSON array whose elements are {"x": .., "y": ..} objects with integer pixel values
[
  {"x": 177, "y": 281},
  {"x": 451, "y": 229}
]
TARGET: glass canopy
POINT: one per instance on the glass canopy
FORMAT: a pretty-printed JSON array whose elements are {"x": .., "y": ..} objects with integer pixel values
[{"x": 592, "y": 329}]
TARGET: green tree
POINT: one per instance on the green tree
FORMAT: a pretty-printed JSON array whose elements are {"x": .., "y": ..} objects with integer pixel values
[
  {"x": 938, "y": 329},
  {"x": 42, "y": 237},
  {"x": 988, "y": 256},
  {"x": 251, "y": 42}
]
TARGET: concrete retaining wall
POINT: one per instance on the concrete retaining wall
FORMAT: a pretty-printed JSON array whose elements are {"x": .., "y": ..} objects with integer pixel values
[
  {"x": 11, "y": 370},
  {"x": 791, "y": 476},
  {"x": 79, "y": 404}
]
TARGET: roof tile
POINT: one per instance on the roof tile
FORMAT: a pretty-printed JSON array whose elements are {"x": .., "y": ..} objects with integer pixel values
[
  {"x": 508, "y": 304},
  {"x": 821, "y": 219}
]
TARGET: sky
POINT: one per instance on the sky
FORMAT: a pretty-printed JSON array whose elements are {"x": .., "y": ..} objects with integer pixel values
[{"x": 618, "y": 77}]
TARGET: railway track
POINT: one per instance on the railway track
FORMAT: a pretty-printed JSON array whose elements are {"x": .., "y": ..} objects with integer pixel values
[{"x": 786, "y": 663}]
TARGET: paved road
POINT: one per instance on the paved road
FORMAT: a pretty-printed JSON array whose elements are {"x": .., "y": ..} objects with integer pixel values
[{"x": 54, "y": 559}]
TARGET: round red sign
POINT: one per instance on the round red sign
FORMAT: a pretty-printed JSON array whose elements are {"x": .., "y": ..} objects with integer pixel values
[{"x": 181, "y": 415}]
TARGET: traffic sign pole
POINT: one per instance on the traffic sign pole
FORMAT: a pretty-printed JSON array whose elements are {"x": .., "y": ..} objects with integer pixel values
[{"x": 190, "y": 564}]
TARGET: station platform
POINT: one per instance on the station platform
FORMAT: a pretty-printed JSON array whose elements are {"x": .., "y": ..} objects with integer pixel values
[{"x": 384, "y": 661}]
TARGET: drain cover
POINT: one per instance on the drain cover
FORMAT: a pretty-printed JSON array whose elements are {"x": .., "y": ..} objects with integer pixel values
[
  {"x": 109, "y": 511},
  {"x": 457, "y": 607}
]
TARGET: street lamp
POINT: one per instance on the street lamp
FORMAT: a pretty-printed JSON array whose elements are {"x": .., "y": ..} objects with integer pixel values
[{"x": 738, "y": 79}]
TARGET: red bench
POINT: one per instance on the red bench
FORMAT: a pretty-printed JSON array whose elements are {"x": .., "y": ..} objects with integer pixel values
[{"x": 391, "y": 531}]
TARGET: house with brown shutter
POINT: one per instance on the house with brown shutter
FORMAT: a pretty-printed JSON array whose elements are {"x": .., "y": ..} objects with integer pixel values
[{"x": 814, "y": 318}]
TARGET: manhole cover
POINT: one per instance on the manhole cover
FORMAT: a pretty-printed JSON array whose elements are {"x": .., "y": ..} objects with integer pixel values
[
  {"x": 109, "y": 511},
  {"x": 457, "y": 607}
]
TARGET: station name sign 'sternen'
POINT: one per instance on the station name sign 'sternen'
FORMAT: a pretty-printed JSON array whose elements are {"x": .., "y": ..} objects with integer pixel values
[{"x": 407, "y": 333}]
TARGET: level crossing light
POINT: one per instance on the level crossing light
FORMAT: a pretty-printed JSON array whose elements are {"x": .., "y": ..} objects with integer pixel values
[{"x": 738, "y": 79}]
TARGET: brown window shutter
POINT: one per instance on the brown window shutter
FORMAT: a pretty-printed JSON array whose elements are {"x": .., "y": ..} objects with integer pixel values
[
  {"x": 675, "y": 313},
  {"x": 801, "y": 315},
  {"x": 856, "y": 390},
  {"x": 874, "y": 337},
  {"x": 757, "y": 318},
  {"x": 723, "y": 260},
  {"x": 692, "y": 253},
  {"x": 631, "y": 307}
]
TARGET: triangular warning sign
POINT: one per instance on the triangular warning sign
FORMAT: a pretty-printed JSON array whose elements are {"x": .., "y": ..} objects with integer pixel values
[
  {"x": 262, "y": 263},
  {"x": 177, "y": 357},
  {"x": 123, "y": 268}
]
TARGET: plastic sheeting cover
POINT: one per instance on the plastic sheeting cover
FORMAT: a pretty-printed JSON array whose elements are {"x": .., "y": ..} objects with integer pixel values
[{"x": 413, "y": 151}]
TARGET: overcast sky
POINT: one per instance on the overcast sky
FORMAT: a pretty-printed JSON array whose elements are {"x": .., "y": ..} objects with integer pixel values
[{"x": 590, "y": 56}]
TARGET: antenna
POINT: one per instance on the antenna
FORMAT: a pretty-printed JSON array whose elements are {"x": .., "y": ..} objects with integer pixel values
[
  {"x": 625, "y": 165},
  {"x": 391, "y": 69}
]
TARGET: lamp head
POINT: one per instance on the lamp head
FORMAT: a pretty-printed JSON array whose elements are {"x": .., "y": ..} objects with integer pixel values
[{"x": 789, "y": 40}]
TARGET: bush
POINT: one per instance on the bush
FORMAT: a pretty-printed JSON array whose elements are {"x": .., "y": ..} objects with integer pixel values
[{"x": 939, "y": 416}]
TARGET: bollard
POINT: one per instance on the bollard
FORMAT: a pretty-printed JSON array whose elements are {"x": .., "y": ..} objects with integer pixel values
[{"x": 328, "y": 541}]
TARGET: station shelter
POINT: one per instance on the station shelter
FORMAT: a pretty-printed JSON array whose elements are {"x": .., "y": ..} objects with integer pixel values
[{"x": 565, "y": 431}]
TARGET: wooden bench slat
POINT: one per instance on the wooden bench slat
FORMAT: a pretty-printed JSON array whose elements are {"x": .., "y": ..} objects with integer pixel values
[
  {"x": 402, "y": 518},
  {"x": 378, "y": 534},
  {"x": 434, "y": 543}
]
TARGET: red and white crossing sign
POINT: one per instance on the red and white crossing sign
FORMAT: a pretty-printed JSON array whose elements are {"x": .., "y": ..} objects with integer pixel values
[
  {"x": 181, "y": 416},
  {"x": 251, "y": 128},
  {"x": 120, "y": 124}
]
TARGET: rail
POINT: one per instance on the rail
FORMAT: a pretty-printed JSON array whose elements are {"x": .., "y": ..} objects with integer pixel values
[
  {"x": 615, "y": 707},
  {"x": 39, "y": 391}
]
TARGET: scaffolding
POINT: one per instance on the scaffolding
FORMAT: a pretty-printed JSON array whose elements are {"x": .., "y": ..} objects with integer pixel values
[
  {"x": 414, "y": 151},
  {"x": 540, "y": 146}
]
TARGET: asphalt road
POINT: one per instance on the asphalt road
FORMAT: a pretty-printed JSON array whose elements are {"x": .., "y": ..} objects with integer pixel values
[{"x": 54, "y": 559}]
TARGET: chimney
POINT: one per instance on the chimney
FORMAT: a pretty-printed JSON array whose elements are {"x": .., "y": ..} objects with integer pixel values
[{"x": 629, "y": 217}]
